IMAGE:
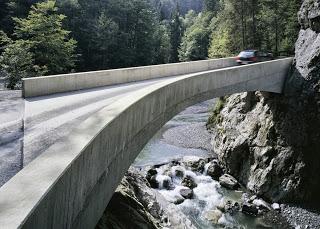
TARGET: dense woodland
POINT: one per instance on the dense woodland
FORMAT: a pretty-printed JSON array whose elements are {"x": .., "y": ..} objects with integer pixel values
[{"x": 51, "y": 37}]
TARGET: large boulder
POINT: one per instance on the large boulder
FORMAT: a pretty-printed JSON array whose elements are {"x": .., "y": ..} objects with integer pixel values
[
  {"x": 194, "y": 163},
  {"x": 228, "y": 182},
  {"x": 186, "y": 193},
  {"x": 214, "y": 169},
  {"x": 213, "y": 215}
]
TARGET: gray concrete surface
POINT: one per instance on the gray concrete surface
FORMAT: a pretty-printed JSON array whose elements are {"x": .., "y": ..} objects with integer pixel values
[
  {"x": 71, "y": 182},
  {"x": 70, "y": 82},
  {"x": 11, "y": 134}
]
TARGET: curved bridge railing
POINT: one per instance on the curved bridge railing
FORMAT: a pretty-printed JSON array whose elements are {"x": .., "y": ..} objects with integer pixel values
[{"x": 71, "y": 183}]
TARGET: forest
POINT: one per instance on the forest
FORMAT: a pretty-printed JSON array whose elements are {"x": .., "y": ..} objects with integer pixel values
[{"x": 52, "y": 37}]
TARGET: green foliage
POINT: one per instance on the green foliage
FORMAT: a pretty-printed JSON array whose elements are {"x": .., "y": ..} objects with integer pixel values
[
  {"x": 17, "y": 62},
  {"x": 115, "y": 33},
  {"x": 194, "y": 45},
  {"x": 163, "y": 45},
  {"x": 175, "y": 36},
  {"x": 104, "y": 33},
  {"x": 220, "y": 43},
  {"x": 123, "y": 33},
  {"x": 48, "y": 41},
  {"x": 215, "y": 117},
  {"x": 269, "y": 25},
  {"x": 211, "y": 5},
  {"x": 41, "y": 45},
  {"x": 189, "y": 19}
]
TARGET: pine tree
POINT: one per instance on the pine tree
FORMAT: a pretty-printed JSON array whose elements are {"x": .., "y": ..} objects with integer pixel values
[
  {"x": 175, "y": 36},
  {"x": 49, "y": 42}
]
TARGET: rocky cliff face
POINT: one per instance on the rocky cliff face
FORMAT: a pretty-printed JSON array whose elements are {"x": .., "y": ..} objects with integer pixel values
[{"x": 270, "y": 142}]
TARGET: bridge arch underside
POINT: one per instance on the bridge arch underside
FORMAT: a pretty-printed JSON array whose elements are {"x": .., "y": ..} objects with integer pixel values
[{"x": 70, "y": 185}]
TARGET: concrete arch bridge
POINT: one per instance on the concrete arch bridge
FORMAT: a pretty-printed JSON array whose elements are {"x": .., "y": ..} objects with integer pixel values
[{"x": 71, "y": 182}]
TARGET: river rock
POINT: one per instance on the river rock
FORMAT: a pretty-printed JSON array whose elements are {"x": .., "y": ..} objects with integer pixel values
[
  {"x": 229, "y": 206},
  {"x": 214, "y": 170},
  {"x": 261, "y": 204},
  {"x": 179, "y": 200},
  {"x": 189, "y": 181},
  {"x": 276, "y": 207},
  {"x": 252, "y": 198},
  {"x": 186, "y": 193},
  {"x": 194, "y": 163},
  {"x": 249, "y": 209},
  {"x": 166, "y": 184},
  {"x": 151, "y": 172},
  {"x": 164, "y": 181},
  {"x": 228, "y": 181},
  {"x": 153, "y": 182},
  {"x": 213, "y": 215},
  {"x": 178, "y": 171}
]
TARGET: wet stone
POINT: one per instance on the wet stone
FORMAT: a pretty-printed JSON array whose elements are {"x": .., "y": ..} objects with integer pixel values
[
  {"x": 166, "y": 184},
  {"x": 179, "y": 201},
  {"x": 276, "y": 207},
  {"x": 262, "y": 205},
  {"x": 178, "y": 171},
  {"x": 214, "y": 170},
  {"x": 189, "y": 182},
  {"x": 194, "y": 163},
  {"x": 186, "y": 193},
  {"x": 228, "y": 182},
  {"x": 153, "y": 182},
  {"x": 151, "y": 172},
  {"x": 249, "y": 209},
  {"x": 213, "y": 215}
]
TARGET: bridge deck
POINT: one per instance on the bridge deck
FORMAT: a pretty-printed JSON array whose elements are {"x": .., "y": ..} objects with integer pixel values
[
  {"x": 52, "y": 117},
  {"x": 98, "y": 133}
]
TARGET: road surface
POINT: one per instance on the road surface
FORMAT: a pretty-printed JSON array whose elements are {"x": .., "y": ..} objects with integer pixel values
[{"x": 47, "y": 119}]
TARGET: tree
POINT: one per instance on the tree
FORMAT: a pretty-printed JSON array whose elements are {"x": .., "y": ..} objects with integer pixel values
[
  {"x": 49, "y": 42},
  {"x": 175, "y": 36},
  {"x": 17, "y": 61},
  {"x": 195, "y": 41},
  {"x": 189, "y": 19},
  {"x": 116, "y": 33},
  {"x": 211, "y": 5},
  {"x": 105, "y": 31},
  {"x": 220, "y": 43},
  {"x": 163, "y": 46}
]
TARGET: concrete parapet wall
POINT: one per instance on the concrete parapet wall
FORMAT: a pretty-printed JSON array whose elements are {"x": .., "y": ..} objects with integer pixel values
[
  {"x": 70, "y": 184},
  {"x": 70, "y": 82}
]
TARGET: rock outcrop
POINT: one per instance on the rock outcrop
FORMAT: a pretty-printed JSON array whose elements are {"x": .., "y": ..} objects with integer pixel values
[
  {"x": 136, "y": 205},
  {"x": 271, "y": 143}
]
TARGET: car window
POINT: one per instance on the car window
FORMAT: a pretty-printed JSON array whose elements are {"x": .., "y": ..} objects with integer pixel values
[
  {"x": 262, "y": 54},
  {"x": 246, "y": 54}
]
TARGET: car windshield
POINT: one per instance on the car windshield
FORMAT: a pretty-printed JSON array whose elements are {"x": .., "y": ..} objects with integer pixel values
[{"x": 246, "y": 54}]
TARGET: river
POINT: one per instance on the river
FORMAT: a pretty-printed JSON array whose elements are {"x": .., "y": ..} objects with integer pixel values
[{"x": 186, "y": 135}]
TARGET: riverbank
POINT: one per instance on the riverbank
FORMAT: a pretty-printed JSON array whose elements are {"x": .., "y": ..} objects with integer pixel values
[{"x": 186, "y": 135}]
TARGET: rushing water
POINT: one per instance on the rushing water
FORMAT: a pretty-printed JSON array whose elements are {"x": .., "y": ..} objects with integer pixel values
[{"x": 186, "y": 135}]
